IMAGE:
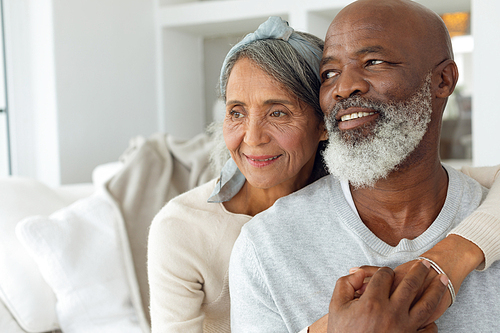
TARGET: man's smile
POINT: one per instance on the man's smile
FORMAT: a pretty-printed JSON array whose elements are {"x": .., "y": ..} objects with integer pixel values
[{"x": 354, "y": 117}]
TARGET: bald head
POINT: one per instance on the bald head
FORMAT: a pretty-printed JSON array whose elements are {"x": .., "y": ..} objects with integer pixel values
[{"x": 422, "y": 30}]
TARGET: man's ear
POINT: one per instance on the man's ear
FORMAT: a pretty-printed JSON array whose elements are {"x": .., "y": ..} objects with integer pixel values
[{"x": 447, "y": 73}]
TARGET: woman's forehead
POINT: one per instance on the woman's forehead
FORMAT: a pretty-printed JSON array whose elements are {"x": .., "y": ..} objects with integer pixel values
[{"x": 250, "y": 78}]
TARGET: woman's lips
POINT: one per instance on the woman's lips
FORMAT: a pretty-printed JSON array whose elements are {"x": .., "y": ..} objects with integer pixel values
[{"x": 261, "y": 160}]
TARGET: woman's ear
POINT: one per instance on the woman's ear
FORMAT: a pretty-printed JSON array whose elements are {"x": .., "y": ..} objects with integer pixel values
[{"x": 447, "y": 73}]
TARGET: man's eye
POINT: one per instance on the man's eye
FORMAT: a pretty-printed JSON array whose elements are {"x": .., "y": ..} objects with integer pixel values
[
  {"x": 329, "y": 74},
  {"x": 278, "y": 114},
  {"x": 374, "y": 62}
]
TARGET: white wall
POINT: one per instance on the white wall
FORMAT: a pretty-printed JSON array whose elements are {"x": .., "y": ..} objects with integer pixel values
[
  {"x": 82, "y": 82},
  {"x": 486, "y": 110},
  {"x": 182, "y": 114},
  {"x": 4, "y": 154}
]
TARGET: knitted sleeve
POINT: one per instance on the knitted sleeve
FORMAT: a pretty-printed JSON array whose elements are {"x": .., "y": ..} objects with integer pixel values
[{"x": 482, "y": 227}]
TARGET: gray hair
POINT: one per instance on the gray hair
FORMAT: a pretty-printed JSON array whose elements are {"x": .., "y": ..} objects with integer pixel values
[{"x": 284, "y": 63}]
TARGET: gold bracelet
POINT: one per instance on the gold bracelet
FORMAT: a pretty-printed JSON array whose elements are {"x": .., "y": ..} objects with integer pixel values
[{"x": 439, "y": 270}]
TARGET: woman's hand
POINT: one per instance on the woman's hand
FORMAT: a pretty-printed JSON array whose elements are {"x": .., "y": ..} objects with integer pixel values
[
  {"x": 454, "y": 254},
  {"x": 379, "y": 309}
]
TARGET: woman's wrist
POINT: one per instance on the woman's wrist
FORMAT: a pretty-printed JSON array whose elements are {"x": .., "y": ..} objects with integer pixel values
[
  {"x": 319, "y": 326},
  {"x": 457, "y": 257}
]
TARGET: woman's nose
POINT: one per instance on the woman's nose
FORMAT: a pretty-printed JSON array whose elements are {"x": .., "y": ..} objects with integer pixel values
[
  {"x": 256, "y": 133},
  {"x": 350, "y": 82}
]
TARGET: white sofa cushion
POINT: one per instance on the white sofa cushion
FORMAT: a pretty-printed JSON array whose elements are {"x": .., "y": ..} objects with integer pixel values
[
  {"x": 23, "y": 290},
  {"x": 82, "y": 252},
  {"x": 7, "y": 322}
]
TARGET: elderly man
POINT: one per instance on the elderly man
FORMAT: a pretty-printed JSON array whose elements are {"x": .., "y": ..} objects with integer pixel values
[{"x": 387, "y": 71}]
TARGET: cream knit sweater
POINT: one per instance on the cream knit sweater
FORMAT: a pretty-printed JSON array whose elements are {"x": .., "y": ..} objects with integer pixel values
[
  {"x": 483, "y": 226},
  {"x": 190, "y": 242}
]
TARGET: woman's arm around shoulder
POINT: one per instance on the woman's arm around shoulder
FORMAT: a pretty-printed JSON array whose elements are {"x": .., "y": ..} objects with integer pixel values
[{"x": 482, "y": 227}]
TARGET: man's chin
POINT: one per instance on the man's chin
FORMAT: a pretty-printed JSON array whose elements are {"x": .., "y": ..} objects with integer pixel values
[
  {"x": 357, "y": 162},
  {"x": 356, "y": 136}
]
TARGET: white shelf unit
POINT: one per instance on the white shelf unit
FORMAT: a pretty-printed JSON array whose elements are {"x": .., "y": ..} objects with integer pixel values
[{"x": 193, "y": 38}]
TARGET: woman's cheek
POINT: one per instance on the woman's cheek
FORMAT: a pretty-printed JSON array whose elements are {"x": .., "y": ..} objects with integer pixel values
[
  {"x": 232, "y": 137},
  {"x": 289, "y": 138}
]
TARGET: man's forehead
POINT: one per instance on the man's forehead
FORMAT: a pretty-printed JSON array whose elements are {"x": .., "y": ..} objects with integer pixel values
[
  {"x": 377, "y": 17},
  {"x": 362, "y": 23},
  {"x": 351, "y": 32},
  {"x": 359, "y": 41}
]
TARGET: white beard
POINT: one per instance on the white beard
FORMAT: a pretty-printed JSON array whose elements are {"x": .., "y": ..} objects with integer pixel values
[{"x": 363, "y": 160}]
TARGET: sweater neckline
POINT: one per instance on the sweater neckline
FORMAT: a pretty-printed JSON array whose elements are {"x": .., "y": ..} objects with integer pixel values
[{"x": 437, "y": 230}]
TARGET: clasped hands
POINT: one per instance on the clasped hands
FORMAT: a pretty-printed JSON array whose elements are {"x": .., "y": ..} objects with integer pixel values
[
  {"x": 409, "y": 305},
  {"x": 373, "y": 299}
]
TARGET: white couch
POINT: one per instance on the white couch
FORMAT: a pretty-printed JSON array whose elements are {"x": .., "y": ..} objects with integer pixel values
[
  {"x": 27, "y": 302},
  {"x": 73, "y": 258}
]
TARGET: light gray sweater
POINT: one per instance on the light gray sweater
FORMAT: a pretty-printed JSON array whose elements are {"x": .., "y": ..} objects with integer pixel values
[{"x": 285, "y": 263}]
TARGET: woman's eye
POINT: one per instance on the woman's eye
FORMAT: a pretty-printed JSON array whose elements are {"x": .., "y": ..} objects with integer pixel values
[
  {"x": 278, "y": 114},
  {"x": 374, "y": 62},
  {"x": 236, "y": 114}
]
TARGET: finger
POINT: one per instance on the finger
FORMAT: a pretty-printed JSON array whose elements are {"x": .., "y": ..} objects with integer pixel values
[
  {"x": 401, "y": 272},
  {"x": 380, "y": 284},
  {"x": 428, "y": 303},
  {"x": 369, "y": 270},
  {"x": 411, "y": 284},
  {"x": 431, "y": 328},
  {"x": 346, "y": 287}
]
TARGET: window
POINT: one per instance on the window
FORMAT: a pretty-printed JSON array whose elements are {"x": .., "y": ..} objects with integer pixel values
[
  {"x": 4, "y": 120},
  {"x": 456, "y": 134}
]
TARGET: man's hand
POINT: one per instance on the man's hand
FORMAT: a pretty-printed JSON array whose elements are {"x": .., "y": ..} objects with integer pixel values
[
  {"x": 399, "y": 274},
  {"x": 379, "y": 310},
  {"x": 454, "y": 254}
]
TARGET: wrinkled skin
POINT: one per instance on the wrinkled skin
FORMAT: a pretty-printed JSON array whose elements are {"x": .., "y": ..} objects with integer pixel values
[{"x": 382, "y": 309}]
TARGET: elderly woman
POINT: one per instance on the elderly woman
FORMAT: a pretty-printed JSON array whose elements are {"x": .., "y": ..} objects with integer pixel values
[{"x": 274, "y": 131}]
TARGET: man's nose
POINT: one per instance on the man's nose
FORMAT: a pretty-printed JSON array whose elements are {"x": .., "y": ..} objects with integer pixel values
[
  {"x": 256, "y": 133},
  {"x": 350, "y": 82}
]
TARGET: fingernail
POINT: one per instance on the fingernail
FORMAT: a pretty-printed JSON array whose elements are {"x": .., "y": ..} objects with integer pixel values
[
  {"x": 426, "y": 263},
  {"x": 444, "y": 279},
  {"x": 353, "y": 270}
]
